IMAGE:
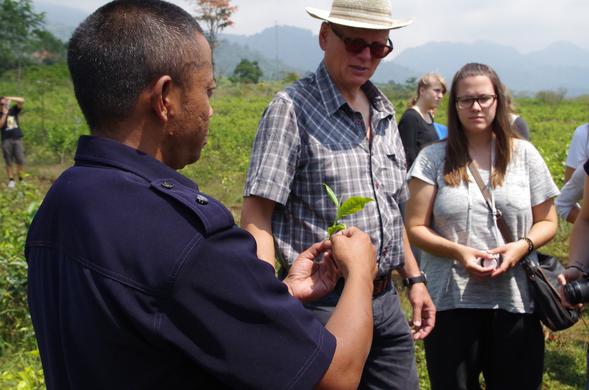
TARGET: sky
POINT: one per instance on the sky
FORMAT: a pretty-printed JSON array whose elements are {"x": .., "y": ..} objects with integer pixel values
[{"x": 526, "y": 25}]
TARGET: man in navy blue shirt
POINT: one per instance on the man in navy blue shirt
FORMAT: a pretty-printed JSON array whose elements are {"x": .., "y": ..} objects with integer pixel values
[{"x": 139, "y": 280}]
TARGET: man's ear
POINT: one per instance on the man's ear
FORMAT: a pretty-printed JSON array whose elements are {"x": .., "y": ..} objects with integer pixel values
[
  {"x": 323, "y": 32},
  {"x": 161, "y": 99}
]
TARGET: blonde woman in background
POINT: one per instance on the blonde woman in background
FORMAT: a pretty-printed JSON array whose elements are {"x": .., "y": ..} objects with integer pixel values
[
  {"x": 517, "y": 122},
  {"x": 417, "y": 124}
]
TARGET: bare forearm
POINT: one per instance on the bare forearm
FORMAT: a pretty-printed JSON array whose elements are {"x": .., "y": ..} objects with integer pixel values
[
  {"x": 410, "y": 267},
  {"x": 579, "y": 245},
  {"x": 16, "y": 99},
  {"x": 542, "y": 232},
  {"x": 256, "y": 218},
  {"x": 573, "y": 214},
  {"x": 351, "y": 323},
  {"x": 568, "y": 172},
  {"x": 427, "y": 239},
  {"x": 264, "y": 242}
]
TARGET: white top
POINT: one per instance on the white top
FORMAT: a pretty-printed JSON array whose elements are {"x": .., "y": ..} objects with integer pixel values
[
  {"x": 460, "y": 214},
  {"x": 571, "y": 193},
  {"x": 579, "y": 148}
]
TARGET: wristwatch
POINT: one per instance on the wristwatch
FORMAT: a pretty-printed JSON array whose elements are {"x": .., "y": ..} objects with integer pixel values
[{"x": 408, "y": 282}]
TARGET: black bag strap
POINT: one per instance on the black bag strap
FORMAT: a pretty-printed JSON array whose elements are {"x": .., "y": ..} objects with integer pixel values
[{"x": 503, "y": 228}]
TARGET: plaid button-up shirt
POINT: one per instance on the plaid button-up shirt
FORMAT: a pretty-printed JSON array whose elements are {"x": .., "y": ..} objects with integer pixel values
[{"x": 309, "y": 135}]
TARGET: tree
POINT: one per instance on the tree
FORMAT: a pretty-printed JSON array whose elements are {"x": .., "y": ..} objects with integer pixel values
[
  {"x": 24, "y": 38},
  {"x": 291, "y": 77},
  {"x": 216, "y": 16},
  {"x": 19, "y": 29},
  {"x": 247, "y": 72}
]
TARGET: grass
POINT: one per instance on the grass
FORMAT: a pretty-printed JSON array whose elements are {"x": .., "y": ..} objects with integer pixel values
[{"x": 221, "y": 173}]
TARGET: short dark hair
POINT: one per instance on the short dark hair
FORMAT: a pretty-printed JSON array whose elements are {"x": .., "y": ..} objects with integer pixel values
[{"x": 123, "y": 47}]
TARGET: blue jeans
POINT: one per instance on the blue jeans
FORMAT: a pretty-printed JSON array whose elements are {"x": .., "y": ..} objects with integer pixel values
[{"x": 391, "y": 361}]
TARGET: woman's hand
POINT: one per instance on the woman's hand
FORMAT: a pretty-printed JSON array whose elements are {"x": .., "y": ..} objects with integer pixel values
[
  {"x": 471, "y": 259},
  {"x": 510, "y": 254}
]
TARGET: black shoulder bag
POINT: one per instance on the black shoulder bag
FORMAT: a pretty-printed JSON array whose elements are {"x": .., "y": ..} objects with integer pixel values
[{"x": 542, "y": 275}]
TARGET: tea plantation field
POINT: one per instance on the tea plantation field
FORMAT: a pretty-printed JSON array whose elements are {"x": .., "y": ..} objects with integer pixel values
[{"x": 53, "y": 122}]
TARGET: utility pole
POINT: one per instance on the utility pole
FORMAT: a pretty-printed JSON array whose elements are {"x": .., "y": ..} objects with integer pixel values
[{"x": 276, "y": 70}]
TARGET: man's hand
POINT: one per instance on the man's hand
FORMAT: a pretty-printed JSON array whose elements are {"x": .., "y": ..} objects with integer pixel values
[
  {"x": 571, "y": 274},
  {"x": 354, "y": 253},
  {"x": 308, "y": 280},
  {"x": 424, "y": 311}
]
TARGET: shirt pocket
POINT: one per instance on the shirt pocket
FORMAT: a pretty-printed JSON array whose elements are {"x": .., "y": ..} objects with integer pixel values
[
  {"x": 392, "y": 169},
  {"x": 515, "y": 194},
  {"x": 343, "y": 167}
]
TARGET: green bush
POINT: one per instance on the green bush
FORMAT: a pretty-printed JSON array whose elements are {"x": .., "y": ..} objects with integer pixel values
[{"x": 52, "y": 123}]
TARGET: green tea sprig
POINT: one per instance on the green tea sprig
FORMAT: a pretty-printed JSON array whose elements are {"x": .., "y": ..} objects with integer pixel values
[{"x": 349, "y": 207}]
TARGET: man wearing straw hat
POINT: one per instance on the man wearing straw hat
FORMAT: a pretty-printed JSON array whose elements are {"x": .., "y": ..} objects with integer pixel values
[{"x": 336, "y": 127}]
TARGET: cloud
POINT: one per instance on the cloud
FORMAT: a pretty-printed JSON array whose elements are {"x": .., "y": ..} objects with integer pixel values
[{"x": 526, "y": 25}]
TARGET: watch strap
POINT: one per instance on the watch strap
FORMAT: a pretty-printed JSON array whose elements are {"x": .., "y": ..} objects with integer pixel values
[{"x": 407, "y": 282}]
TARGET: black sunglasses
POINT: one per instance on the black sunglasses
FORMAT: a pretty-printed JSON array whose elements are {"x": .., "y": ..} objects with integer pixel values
[{"x": 357, "y": 45}]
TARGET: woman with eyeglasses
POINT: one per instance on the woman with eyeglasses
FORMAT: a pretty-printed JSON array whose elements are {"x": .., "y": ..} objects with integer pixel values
[
  {"x": 416, "y": 126},
  {"x": 485, "y": 322}
]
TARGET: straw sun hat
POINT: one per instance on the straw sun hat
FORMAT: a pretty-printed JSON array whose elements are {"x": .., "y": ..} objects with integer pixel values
[{"x": 368, "y": 14}]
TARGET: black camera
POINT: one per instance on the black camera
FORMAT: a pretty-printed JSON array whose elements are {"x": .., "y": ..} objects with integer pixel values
[{"x": 577, "y": 291}]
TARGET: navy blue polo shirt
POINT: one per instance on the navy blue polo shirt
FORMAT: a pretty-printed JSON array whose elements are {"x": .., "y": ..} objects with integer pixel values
[{"x": 137, "y": 280}]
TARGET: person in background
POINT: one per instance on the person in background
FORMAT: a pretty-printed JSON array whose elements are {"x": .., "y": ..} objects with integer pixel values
[
  {"x": 336, "y": 127},
  {"x": 578, "y": 150},
  {"x": 416, "y": 126},
  {"x": 485, "y": 321},
  {"x": 566, "y": 202},
  {"x": 578, "y": 264},
  {"x": 11, "y": 135},
  {"x": 442, "y": 130},
  {"x": 574, "y": 175},
  {"x": 519, "y": 124},
  {"x": 136, "y": 279}
]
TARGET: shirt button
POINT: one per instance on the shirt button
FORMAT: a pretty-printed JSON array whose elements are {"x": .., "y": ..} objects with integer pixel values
[
  {"x": 167, "y": 185},
  {"x": 201, "y": 200}
]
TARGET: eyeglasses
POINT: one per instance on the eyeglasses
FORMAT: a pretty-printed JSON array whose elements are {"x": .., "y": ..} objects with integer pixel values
[
  {"x": 484, "y": 101},
  {"x": 357, "y": 45}
]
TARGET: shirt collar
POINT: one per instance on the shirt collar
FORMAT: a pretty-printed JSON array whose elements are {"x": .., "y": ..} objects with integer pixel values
[
  {"x": 94, "y": 150},
  {"x": 333, "y": 100}
]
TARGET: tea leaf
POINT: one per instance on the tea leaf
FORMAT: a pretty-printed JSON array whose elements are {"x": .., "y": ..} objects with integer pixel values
[
  {"x": 331, "y": 195},
  {"x": 352, "y": 205},
  {"x": 335, "y": 228}
]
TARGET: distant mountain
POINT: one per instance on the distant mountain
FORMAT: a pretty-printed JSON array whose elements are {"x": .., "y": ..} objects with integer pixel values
[
  {"x": 299, "y": 48},
  {"x": 283, "y": 49},
  {"x": 60, "y": 20},
  {"x": 290, "y": 45},
  {"x": 228, "y": 55},
  {"x": 561, "y": 54},
  {"x": 560, "y": 65}
]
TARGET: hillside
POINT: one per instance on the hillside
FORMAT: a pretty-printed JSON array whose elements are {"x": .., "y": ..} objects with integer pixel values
[
  {"x": 560, "y": 65},
  {"x": 283, "y": 49}
]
